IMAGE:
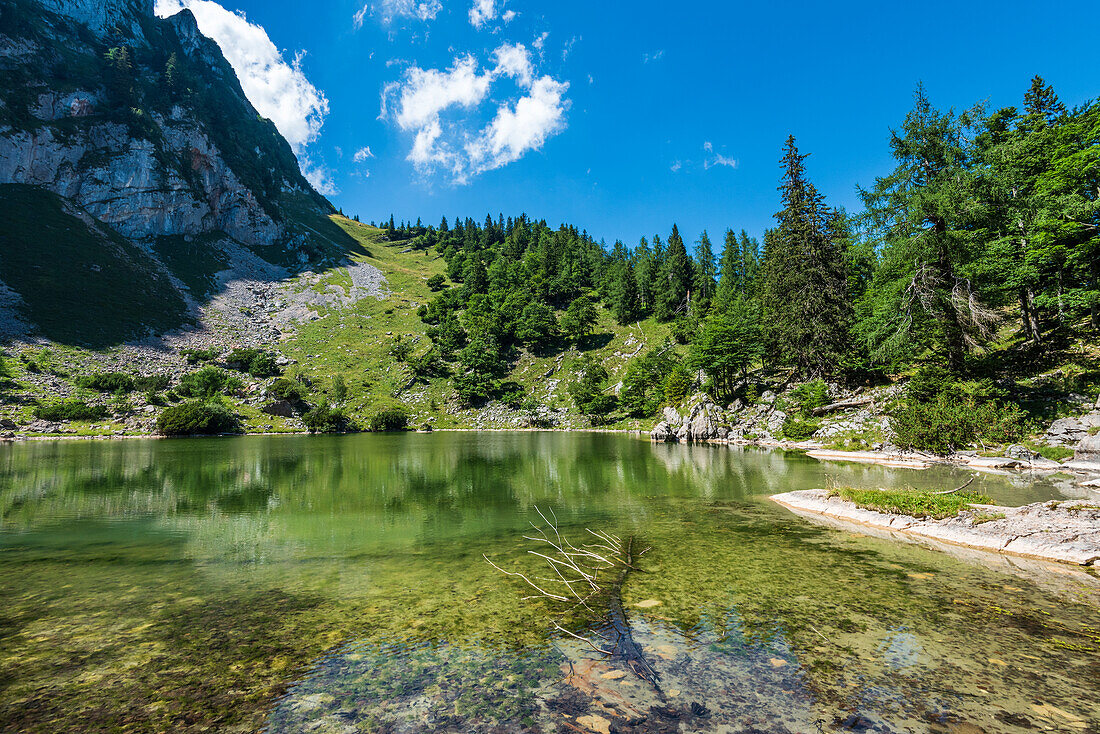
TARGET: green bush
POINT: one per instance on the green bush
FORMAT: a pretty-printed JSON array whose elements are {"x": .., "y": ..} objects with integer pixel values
[
  {"x": 196, "y": 418},
  {"x": 255, "y": 362},
  {"x": 208, "y": 382},
  {"x": 959, "y": 415},
  {"x": 512, "y": 394},
  {"x": 151, "y": 383},
  {"x": 288, "y": 390},
  {"x": 392, "y": 419},
  {"x": 677, "y": 385},
  {"x": 810, "y": 395},
  {"x": 324, "y": 419},
  {"x": 194, "y": 356},
  {"x": 435, "y": 283},
  {"x": 107, "y": 382},
  {"x": 799, "y": 430},
  {"x": 69, "y": 410}
]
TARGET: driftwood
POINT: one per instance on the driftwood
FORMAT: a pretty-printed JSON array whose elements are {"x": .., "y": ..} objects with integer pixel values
[
  {"x": 581, "y": 576},
  {"x": 958, "y": 489},
  {"x": 843, "y": 405}
]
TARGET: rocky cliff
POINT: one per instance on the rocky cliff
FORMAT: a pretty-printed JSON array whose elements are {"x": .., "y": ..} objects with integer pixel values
[{"x": 140, "y": 123}]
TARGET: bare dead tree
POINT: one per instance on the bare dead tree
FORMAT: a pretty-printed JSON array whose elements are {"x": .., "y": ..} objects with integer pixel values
[{"x": 579, "y": 576}]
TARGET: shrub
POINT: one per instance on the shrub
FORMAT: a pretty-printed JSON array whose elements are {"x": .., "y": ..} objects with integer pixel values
[
  {"x": 208, "y": 382},
  {"x": 339, "y": 388},
  {"x": 324, "y": 419},
  {"x": 810, "y": 395},
  {"x": 196, "y": 418},
  {"x": 677, "y": 385},
  {"x": 684, "y": 329},
  {"x": 194, "y": 356},
  {"x": 799, "y": 430},
  {"x": 107, "y": 382},
  {"x": 151, "y": 383},
  {"x": 512, "y": 394},
  {"x": 255, "y": 362},
  {"x": 435, "y": 283},
  {"x": 288, "y": 390},
  {"x": 960, "y": 415},
  {"x": 642, "y": 392},
  {"x": 391, "y": 419},
  {"x": 69, "y": 410},
  {"x": 401, "y": 349}
]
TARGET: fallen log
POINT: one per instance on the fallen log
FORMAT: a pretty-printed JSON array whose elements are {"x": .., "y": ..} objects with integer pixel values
[{"x": 843, "y": 405}]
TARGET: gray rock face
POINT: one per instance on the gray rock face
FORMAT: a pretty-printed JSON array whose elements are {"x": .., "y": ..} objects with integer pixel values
[
  {"x": 672, "y": 417},
  {"x": 1088, "y": 449},
  {"x": 663, "y": 432},
  {"x": 102, "y": 16},
  {"x": 1020, "y": 452},
  {"x": 282, "y": 408}
]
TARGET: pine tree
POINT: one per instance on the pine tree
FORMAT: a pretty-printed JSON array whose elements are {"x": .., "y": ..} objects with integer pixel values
[
  {"x": 704, "y": 283},
  {"x": 624, "y": 304},
  {"x": 675, "y": 281},
  {"x": 804, "y": 294}
]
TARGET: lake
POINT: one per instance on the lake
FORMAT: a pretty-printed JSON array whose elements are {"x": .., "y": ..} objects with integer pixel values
[{"x": 340, "y": 584}]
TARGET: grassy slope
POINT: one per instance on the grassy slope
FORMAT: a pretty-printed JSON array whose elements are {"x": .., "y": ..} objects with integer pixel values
[{"x": 354, "y": 344}]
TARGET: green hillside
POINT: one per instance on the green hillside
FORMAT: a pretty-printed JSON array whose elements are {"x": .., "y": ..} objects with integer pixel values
[{"x": 354, "y": 344}]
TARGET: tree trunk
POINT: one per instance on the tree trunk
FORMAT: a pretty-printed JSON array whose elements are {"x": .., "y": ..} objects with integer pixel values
[{"x": 1028, "y": 316}]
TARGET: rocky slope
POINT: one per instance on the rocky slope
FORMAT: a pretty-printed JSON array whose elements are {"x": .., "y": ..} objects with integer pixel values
[{"x": 141, "y": 127}]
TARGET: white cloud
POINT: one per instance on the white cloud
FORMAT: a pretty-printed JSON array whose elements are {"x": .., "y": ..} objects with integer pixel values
[
  {"x": 716, "y": 159},
  {"x": 427, "y": 92},
  {"x": 655, "y": 56},
  {"x": 526, "y": 126},
  {"x": 440, "y": 108},
  {"x": 277, "y": 89},
  {"x": 509, "y": 16},
  {"x": 539, "y": 42},
  {"x": 362, "y": 154},
  {"x": 676, "y": 166},
  {"x": 319, "y": 176},
  {"x": 424, "y": 10},
  {"x": 360, "y": 15},
  {"x": 481, "y": 12},
  {"x": 514, "y": 61},
  {"x": 568, "y": 49}
]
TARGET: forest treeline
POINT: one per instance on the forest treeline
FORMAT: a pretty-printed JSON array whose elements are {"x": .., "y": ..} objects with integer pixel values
[{"x": 986, "y": 231}]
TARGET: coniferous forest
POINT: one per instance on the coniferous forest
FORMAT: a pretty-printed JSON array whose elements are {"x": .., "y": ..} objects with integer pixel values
[{"x": 975, "y": 259}]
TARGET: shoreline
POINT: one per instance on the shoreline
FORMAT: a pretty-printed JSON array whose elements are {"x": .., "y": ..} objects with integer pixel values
[{"x": 1058, "y": 531}]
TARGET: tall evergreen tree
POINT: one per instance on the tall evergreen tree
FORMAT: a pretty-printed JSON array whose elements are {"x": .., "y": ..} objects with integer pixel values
[
  {"x": 675, "y": 280},
  {"x": 806, "y": 308},
  {"x": 704, "y": 282}
]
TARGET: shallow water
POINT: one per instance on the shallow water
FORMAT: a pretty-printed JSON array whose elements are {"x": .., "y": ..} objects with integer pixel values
[{"x": 338, "y": 584}]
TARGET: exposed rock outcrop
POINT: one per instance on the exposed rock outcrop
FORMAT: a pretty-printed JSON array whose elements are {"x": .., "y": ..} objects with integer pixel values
[
  {"x": 703, "y": 420},
  {"x": 1058, "y": 531}
]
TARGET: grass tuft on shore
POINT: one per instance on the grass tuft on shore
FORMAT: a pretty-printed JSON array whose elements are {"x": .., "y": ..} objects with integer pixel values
[{"x": 913, "y": 502}]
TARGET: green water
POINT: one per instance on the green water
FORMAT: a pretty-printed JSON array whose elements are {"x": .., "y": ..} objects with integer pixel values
[{"x": 338, "y": 584}]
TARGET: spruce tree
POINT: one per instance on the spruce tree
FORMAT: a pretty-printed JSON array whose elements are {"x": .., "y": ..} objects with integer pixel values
[
  {"x": 675, "y": 279},
  {"x": 704, "y": 282},
  {"x": 804, "y": 295}
]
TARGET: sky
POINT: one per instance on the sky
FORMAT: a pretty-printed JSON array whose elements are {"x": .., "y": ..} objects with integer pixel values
[{"x": 623, "y": 118}]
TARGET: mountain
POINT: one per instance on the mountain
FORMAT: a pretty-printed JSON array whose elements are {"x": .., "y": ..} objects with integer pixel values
[{"x": 129, "y": 154}]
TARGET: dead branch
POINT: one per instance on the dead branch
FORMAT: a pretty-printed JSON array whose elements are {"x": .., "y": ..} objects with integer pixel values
[{"x": 958, "y": 489}]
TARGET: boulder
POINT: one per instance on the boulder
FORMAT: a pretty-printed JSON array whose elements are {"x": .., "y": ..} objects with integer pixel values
[
  {"x": 281, "y": 408},
  {"x": 8, "y": 424},
  {"x": 663, "y": 432},
  {"x": 1023, "y": 453},
  {"x": 1088, "y": 450},
  {"x": 672, "y": 417}
]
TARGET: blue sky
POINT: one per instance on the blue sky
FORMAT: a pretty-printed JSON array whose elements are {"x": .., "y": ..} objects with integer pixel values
[{"x": 621, "y": 117}]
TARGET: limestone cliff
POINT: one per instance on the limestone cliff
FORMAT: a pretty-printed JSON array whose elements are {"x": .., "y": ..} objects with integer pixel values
[{"x": 142, "y": 122}]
